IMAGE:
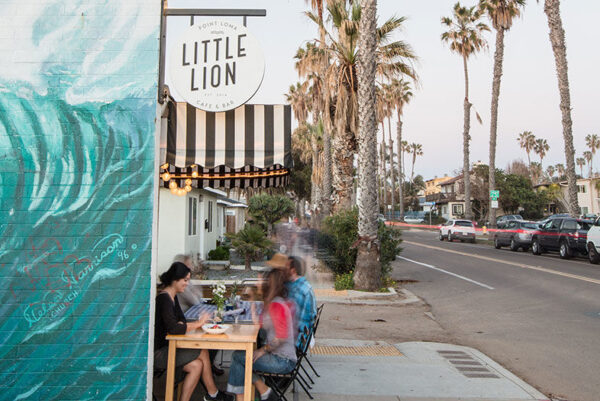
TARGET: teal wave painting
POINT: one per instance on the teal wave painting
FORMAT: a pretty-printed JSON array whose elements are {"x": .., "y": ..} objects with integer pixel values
[{"x": 77, "y": 122}]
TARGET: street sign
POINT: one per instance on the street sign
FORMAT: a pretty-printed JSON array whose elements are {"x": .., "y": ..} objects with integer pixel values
[
  {"x": 494, "y": 204},
  {"x": 494, "y": 194},
  {"x": 428, "y": 204}
]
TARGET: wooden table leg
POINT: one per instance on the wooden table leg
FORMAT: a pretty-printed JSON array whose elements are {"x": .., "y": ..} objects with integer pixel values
[
  {"x": 248, "y": 387},
  {"x": 170, "y": 371}
]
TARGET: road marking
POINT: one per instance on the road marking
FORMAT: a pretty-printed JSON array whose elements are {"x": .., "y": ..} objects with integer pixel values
[
  {"x": 447, "y": 272},
  {"x": 506, "y": 262}
]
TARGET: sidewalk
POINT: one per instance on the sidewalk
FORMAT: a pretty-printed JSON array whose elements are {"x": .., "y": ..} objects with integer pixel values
[{"x": 413, "y": 371}]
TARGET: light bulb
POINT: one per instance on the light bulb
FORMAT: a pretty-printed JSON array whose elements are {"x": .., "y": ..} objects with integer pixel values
[
  {"x": 188, "y": 182},
  {"x": 188, "y": 188},
  {"x": 174, "y": 190},
  {"x": 172, "y": 185},
  {"x": 166, "y": 177}
]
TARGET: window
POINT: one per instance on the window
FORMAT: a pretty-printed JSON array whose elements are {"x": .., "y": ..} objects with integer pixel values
[
  {"x": 444, "y": 209},
  {"x": 581, "y": 189},
  {"x": 569, "y": 225},
  {"x": 464, "y": 223},
  {"x": 210, "y": 216},
  {"x": 583, "y": 210},
  {"x": 192, "y": 215},
  {"x": 457, "y": 209},
  {"x": 555, "y": 223},
  {"x": 531, "y": 226}
]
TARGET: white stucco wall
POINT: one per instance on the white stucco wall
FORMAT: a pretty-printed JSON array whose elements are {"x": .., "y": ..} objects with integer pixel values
[{"x": 171, "y": 227}]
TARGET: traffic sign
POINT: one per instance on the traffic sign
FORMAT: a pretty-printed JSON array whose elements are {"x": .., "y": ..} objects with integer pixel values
[
  {"x": 494, "y": 194},
  {"x": 494, "y": 204}
]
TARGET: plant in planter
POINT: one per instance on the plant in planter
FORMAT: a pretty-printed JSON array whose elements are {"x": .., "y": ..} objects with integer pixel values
[{"x": 249, "y": 242}]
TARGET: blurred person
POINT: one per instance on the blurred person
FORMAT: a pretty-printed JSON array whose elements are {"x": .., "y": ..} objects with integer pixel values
[
  {"x": 301, "y": 292},
  {"x": 169, "y": 319},
  {"x": 278, "y": 355}
]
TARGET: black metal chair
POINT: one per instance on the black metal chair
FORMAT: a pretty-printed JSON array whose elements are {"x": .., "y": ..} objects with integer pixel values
[{"x": 312, "y": 334}]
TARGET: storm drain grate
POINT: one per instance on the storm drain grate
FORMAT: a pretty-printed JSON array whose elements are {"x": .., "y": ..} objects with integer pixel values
[
  {"x": 369, "y": 350},
  {"x": 468, "y": 366}
]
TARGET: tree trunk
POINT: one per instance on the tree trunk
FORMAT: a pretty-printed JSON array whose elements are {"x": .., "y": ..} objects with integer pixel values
[
  {"x": 466, "y": 139},
  {"x": 326, "y": 186},
  {"x": 557, "y": 38},
  {"x": 367, "y": 275},
  {"x": 498, "y": 60},
  {"x": 248, "y": 266},
  {"x": 400, "y": 175},
  {"x": 392, "y": 170},
  {"x": 343, "y": 169},
  {"x": 384, "y": 178},
  {"x": 315, "y": 193}
]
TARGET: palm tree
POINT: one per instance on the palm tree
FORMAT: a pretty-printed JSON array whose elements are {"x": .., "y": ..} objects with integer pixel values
[
  {"x": 392, "y": 58},
  {"x": 536, "y": 171},
  {"x": 580, "y": 161},
  {"x": 317, "y": 5},
  {"x": 389, "y": 102},
  {"x": 560, "y": 169},
  {"x": 588, "y": 158},
  {"x": 401, "y": 95},
  {"x": 465, "y": 37},
  {"x": 417, "y": 150},
  {"x": 367, "y": 275},
  {"x": 592, "y": 141},
  {"x": 501, "y": 14},
  {"x": 557, "y": 39},
  {"x": 541, "y": 148},
  {"x": 382, "y": 110},
  {"x": 249, "y": 242},
  {"x": 526, "y": 140},
  {"x": 550, "y": 171}
]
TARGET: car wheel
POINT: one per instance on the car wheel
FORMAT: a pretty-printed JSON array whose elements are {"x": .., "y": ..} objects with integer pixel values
[
  {"x": 497, "y": 243},
  {"x": 450, "y": 237},
  {"x": 564, "y": 250},
  {"x": 593, "y": 254},
  {"x": 441, "y": 236},
  {"x": 536, "y": 248},
  {"x": 513, "y": 245}
]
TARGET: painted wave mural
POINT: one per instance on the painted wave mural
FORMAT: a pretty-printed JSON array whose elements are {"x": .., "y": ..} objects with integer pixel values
[{"x": 77, "y": 109}]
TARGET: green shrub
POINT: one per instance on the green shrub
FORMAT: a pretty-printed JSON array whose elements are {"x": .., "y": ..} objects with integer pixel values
[
  {"x": 249, "y": 242},
  {"x": 219, "y": 253},
  {"x": 344, "y": 281},
  {"x": 340, "y": 232}
]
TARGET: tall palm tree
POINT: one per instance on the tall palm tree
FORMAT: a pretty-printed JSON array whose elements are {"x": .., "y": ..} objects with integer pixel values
[
  {"x": 317, "y": 5},
  {"x": 367, "y": 275},
  {"x": 465, "y": 37},
  {"x": 541, "y": 148},
  {"x": 401, "y": 95},
  {"x": 501, "y": 14},
  {"x": 588, "y": 158},
  {"x": 580, "y": 161},
  {"x": 526, "y": 140},
  {"x": 382, "y": 111},
  {"x": 536, "y": 171},
  {"x": 557, "y": 39},
  {"x": 550, "y": 171},
  {"x": 388, "y": 99},
  {"x": 416, "y": 149},
  {"x": 592, "y": 141},
  {"x": 392, "y": 59}
]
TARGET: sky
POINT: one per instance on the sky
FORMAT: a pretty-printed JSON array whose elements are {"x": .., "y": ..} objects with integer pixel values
[{"x": 529, "y": 98}]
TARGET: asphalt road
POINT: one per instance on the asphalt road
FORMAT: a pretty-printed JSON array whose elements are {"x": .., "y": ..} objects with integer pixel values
[{"x": 539, "y": 316}]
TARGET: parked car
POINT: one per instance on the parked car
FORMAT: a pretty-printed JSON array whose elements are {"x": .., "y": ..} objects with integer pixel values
[
  {"x": 517, "y": 234},
  {"x": 563, "y": 234},
  {"x": 502, "y": 221},
  {"x": 593, "y": 242},
  {"x": 414, "y": 217},
  {"x": 589, "y": 216},
  {"x": 552, "y": 216},
  {"x": 464, "y": 230}
]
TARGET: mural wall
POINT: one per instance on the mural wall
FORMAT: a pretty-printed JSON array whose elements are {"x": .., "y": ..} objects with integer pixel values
[{"x": 77, "y": 108}]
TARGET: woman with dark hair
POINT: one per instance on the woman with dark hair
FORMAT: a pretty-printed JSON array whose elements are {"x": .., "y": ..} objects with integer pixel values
[
  {"x": 278, "y": 355},
  {"x": 171, "y": 320}
]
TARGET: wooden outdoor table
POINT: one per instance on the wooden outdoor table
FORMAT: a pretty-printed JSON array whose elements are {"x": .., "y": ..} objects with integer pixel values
[{"x": 238, "y": 337}]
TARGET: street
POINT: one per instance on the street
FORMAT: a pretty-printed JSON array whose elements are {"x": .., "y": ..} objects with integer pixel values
[{"x": 539, "y": 316}]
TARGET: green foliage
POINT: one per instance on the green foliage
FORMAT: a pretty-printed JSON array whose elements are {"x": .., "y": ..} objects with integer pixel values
[
  {"x": 270, "y": 208},
  {"x": 219, "y": 253},
  {"x": 340, "y": 232},
  {"x": 250, "y": 242},
  {"x": 300, "y": 178},
  {"x": 344, "y": 281},
  {"x": 516, "y": 193}
]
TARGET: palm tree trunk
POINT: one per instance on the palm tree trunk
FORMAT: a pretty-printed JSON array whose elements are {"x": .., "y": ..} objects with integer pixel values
[
  {"x": 343, "y": 169},
  {"x": 384, "y": 176},
  {"x": 466, "y": 138},
  {"x": 315, "y": 193},
  {"x": 392, "y": 171},
  {"x": 400, "y": 175},
  {"x": 367, "y": 275},
  {"x": 412, "y": 170},
  {"x": 557, "y": 38},
  {"x": 498, "y": 60},
  {"x": 326, "y": 186}
]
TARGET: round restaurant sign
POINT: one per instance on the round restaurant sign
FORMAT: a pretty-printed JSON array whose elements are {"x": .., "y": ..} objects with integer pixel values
[{"x": 217, "y": 66}]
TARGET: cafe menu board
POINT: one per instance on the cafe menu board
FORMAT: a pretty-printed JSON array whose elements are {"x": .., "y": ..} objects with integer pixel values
[{"x": 216, "y": 65}]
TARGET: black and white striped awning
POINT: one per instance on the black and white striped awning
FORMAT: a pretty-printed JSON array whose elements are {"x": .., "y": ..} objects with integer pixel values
[
  {"x": 251, "y": 135},
  {"x": 249, "y": 146}
]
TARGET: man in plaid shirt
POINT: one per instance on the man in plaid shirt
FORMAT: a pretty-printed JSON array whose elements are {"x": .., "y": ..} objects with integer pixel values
[{"x": 301, "y": 292}]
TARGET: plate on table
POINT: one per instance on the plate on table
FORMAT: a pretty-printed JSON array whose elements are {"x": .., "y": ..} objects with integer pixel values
[{"x": 212, "y": 328}]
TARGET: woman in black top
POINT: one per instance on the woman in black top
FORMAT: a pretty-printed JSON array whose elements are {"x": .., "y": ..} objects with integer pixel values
[{"x": 170, "y": 320}]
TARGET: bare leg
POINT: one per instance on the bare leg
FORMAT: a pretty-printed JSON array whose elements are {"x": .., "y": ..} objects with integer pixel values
[
  {"x": 261, "y": 387},
  {"x": 207, "y": 375},
  {"x": 194, "y": 370}
]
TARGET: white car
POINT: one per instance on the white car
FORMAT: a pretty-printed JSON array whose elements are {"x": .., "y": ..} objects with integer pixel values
[
  {"x": 593, "y": 242},
  {"x": 464, "y": 230}
]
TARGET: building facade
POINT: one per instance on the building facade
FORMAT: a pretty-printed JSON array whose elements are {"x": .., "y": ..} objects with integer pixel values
[{"x": 77, "y": 173}]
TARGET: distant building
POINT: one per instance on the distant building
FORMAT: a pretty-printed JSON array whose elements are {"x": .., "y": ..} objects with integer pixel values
[{"x": 433, "y": 186}]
